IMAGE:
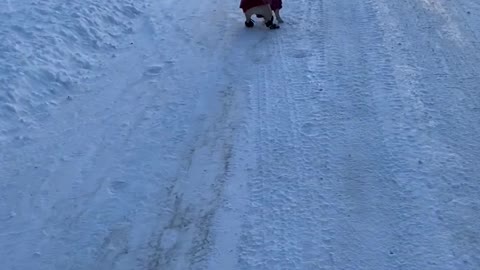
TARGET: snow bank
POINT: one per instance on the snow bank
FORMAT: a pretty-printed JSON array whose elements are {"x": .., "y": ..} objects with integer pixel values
[{"x": 47, "y": 47}]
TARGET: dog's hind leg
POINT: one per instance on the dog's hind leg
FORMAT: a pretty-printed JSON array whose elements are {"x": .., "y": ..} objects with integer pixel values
[
  {"x": 277, "y": 16},
  {"x": 264, "y": 11},
  {"x": 248, "y": 19}
]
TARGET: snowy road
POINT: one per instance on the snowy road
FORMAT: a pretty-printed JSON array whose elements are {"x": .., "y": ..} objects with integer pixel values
[{"x": 137, "y": 135}]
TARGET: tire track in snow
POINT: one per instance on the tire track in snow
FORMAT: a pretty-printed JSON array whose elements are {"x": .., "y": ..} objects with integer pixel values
[
  {"x": 284, "y": 200},
  {"x": 343, "y": 118},
  {"x": 205, "y": 159},
  {"x": 197, "y": 235},
  {"x": 436, "y": 79},
  {"x": 359, "y": 165},
  {"x": 378, "y": 210}
]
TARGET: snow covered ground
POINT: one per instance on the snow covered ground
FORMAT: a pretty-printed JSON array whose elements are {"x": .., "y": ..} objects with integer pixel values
[{"x": 148, "y": 135}]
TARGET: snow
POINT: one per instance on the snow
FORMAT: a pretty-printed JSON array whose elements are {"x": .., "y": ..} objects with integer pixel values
[{"x": 166, "y": 135}]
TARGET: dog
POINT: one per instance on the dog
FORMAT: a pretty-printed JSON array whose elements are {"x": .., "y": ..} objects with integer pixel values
[
  {"x": 276, "y": 6},
  {"x": 261, "y": 8}
]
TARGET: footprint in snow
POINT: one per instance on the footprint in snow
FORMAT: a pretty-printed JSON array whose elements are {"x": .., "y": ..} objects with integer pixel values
[
  {"x": 310, "y": 129},
  {"x": 299, "y": 54},
  {"x": 117, "y": 186},
  {"x": 153, "y": 70}
]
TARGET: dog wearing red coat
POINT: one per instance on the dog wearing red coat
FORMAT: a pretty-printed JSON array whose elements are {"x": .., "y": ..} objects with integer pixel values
[{"x": 261, "y": 8}]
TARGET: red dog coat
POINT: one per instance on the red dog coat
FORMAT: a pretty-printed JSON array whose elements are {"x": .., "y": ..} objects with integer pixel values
[
  {"x": 276, "y": 4},
  {"x": 248, "y": 4}
]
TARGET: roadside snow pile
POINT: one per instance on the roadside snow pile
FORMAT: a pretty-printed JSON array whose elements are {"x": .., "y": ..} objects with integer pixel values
[{"x": 48, "y": 46}]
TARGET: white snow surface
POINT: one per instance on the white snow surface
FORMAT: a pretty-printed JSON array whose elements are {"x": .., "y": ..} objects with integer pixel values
[{"x": 148, "y": 135}]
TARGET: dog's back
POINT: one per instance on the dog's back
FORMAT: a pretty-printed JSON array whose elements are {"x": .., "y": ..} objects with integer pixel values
[{"x": 248, "y": 4}]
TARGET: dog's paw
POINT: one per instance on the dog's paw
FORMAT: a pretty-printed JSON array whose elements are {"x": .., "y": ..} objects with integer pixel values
[
  {"x": 279, "y": 20},
  {"x": 270, "y": 24},
  {"x": 273, "y": 26},
  {"x": 249, "y": 24}
]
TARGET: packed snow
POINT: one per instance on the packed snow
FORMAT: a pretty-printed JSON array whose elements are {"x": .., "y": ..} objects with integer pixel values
[{"x": 148, "y": 135}]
